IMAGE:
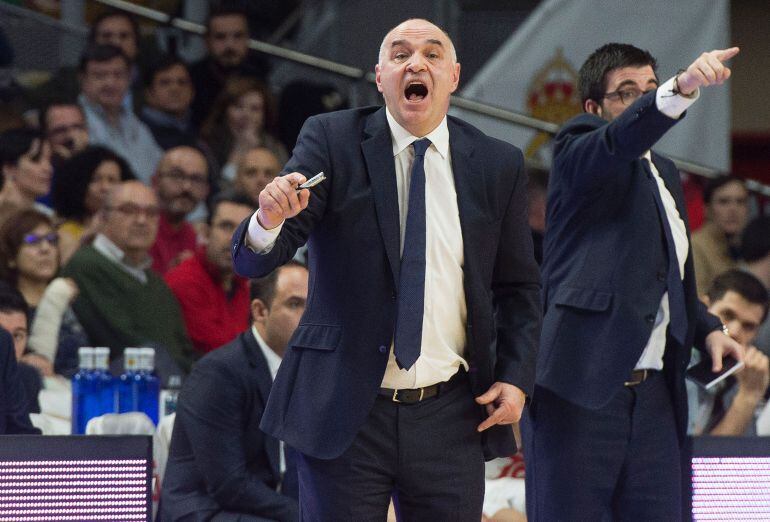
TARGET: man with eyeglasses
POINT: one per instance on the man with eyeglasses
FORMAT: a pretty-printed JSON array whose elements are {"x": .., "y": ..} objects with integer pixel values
[
  {"x": 64, "y": 126},
  {"x": 608, "y": 415},
  {"x": 182, "y": 183},
  {"x": 121, "y": 302}
]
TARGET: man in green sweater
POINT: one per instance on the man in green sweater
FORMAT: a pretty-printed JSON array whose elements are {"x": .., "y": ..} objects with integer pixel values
[{"x": 121, "y": 302}]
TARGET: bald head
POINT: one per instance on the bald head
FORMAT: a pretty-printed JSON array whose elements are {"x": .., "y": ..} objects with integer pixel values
[
  {"x": 414, "y": 23},
  {"x": 181, "y": 181},
  {"x": 131, "y": 219}
]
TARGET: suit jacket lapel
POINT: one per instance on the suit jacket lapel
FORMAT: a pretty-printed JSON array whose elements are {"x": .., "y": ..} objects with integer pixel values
[
  {"x": 470, "y": 184},
  {"x": 378, "y": 153},
  {"x": 264, "y": 383}
]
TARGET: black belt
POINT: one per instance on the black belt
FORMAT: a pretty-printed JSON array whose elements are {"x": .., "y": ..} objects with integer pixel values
[
  {"x": 639, "y": 376},
  {"x": 413, "y": 395}
]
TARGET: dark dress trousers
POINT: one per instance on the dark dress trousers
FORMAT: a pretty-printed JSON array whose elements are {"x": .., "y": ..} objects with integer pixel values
[
  {"x": 220, "y": 465},
  {"x": 336, "y": 359},
  {"x": 604, "y": 273}
]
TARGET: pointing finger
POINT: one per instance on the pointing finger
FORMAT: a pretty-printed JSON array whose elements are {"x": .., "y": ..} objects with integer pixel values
[{"x": 725, "y": 54}]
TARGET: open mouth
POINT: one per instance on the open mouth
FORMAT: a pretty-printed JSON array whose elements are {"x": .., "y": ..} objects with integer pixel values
[{"x": 415, "y": 91}]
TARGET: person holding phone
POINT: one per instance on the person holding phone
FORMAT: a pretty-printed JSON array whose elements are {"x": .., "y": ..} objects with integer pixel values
[{"x": 417, "y": 346}]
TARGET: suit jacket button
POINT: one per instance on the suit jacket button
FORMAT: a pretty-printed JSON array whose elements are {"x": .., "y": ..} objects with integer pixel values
[
  {"x": 661, "y": 276},
  {"x": 650, "y": 318},
  {"x": 383, "y": 349}
]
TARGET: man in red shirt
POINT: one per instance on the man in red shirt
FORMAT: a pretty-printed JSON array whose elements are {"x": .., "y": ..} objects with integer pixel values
[
  {"x": 181, "y": 182},
  {"x": 214, "y": 301}
]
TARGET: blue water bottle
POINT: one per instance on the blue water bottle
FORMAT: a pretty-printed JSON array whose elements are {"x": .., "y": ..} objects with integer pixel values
[
  {"x": 103, "y": 381},
  {"x": 149, "y": 395},
  {"x": 82, "y": 390},
  {"x": 130, "y": 379}
]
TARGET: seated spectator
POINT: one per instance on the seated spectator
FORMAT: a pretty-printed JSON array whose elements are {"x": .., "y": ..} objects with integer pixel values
[
  {"x": 14, "y": 420},
  {"x": 29, "y": 261},
  {"x": 240, "y": 120},
  {"x": 64, "y": 126},
  {"x": 104, "y": 79},
  {"x": 741, "y": 302},
  {"x": 213, "y": 298},
  {"x": 256, "y": 169},
  {"x": 228, "y": 54},
  {"x": 121, "y": 302},
  {"x": 167, "y": 97},
  {"x": 755, "y": 250},
  {"x": 25, "y": 159},
  {"x": 14, "y": 316},
  {"x": 715, "y": 246},
  {"x": 78, "y": 192},
  {"x": 220, "y": 464},
  {"x": 181, "y": 183}
]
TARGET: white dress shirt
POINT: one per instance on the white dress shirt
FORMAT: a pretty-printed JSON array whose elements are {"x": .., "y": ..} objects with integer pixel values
[
  {"x": 652, "y": 356},
  {"x": 445, "y": 312}
]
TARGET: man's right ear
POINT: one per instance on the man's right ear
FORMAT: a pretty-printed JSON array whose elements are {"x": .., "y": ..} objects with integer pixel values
[
  {"x": 259, "y": 310},
  {"x": 591, "y": 107}
]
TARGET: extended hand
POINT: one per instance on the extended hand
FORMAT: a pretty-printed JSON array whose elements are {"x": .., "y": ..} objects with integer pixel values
[
  {"x": 720, "y": 345},
  {"x": 504, "y": 404},
  {"x": 755, "y": 375},
  {"x": 279, "y": 200},
  {"x": 707, "y": 69}
]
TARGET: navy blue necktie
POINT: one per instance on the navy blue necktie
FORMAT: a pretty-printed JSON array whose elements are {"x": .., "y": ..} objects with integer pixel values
[
  {"x": 677, "y": 307},
  {"x": 411, "y": 284}
]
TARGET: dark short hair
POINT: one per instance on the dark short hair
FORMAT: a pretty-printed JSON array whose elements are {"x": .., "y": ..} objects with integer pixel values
[
  {"x": 114, "y": 14},
  {"x": 15, "y": 143},
  {"x": 12, "y": 301},
  {"x": 12, "y": 233},
  {"x": 592, "y": 78},
  {"x": 70, "y": 185},
  {"x": 162, "y": 64},
  {"x": 56, "y": 103},
  {"x": 742, "y": 283},
  {"x": 755, "y": 244},
  {"x": 235, "y": 198},
  {"x": 226, "y": 8},
  {"x": 263, "y": 288},
  {"x": 101, "y": 53},
  {"x": 714, "y": 184}
]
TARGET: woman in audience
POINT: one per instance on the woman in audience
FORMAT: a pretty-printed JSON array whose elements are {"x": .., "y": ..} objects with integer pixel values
[
  {"x": 240, "y": 120},
  {"x": 78, "y": 192},
  {"x": 25, "y": 161},
  {"x": 29, "y": 261}
]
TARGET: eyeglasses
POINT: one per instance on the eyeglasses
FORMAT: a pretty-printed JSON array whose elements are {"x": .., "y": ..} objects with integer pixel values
[
  {"x": 180, "y": 176},
  {"x": 129, "y": 209},
  {"x": 58, "y": 131},
  {"x": 35, "y": 239},
  {"x": 627, "y": 95}
]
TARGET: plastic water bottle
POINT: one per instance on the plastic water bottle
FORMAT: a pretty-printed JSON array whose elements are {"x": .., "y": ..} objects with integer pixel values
[
  {"x": 82, "y": 390},
  {"x": 103, "y": 381},
  {"x": 130, "y": 379},
  {"x": 149, "y": 388},
  {"x": 170, "y": 396}
]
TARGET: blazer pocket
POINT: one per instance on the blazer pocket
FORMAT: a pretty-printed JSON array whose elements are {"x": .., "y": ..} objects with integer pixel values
[
  {"x": 584, "y": 299},
  {"x": 317, "y": 337}
]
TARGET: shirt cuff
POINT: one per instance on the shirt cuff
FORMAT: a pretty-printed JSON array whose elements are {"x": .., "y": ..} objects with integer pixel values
[
  {"x": 673, "y": 105},
  {"x": 259, "y": 239}
]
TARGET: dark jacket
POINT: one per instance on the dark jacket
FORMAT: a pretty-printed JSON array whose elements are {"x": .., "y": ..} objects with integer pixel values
[{"x": 14, "y": 414}]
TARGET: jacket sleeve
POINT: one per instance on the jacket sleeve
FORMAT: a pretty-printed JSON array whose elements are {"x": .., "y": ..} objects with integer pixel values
[{"x": 705, "y": 323}]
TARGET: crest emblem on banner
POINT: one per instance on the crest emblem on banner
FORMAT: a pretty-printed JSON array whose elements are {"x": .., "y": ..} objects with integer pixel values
[{"x": 552, "y": 96}]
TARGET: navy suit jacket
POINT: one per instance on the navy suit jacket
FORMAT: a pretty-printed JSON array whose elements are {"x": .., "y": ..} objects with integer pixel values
[
  {"x": 219, "y": 460},
  {"x": 331, "y": 373},
  {"x": 14, "y": 414},
  {"x": 605, "y": 259}
]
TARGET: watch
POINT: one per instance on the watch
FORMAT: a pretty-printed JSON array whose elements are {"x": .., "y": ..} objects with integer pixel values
[{"x": 725, "y": 330}]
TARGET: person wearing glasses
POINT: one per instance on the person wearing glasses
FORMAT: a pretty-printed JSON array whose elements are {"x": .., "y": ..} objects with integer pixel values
[
  {"x": 121, "y": 301},
  {"x": 609, "y": 412},
  {"x": 182, "y": 184}
]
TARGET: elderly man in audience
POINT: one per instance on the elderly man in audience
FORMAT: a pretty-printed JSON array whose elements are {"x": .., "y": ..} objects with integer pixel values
[
  {"x": 182, "y": 183},
  {"x": 64, "y": 125},
  {"x": 212, "y": 296},
  {"x": 121, "y": 301},
  {"x": 740, "y": 300},
  {"x": 25, "y": 160},
  {"x": 105, "y": 73},
  {"x": 227, "y": 42},
  {"x": 220, "y": 465},
  {"x": 167, "y": 98},
  {"x": 755, "y": 250},
  {"x": 256, "y": 168},
  {"x": 716, "y": 245}
]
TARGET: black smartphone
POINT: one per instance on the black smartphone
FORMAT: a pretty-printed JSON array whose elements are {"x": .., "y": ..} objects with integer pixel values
[{"x": 702, "y": 375}]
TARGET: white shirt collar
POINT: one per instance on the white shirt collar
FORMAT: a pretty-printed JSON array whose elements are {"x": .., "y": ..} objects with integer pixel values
[
  {"x": 273, "y": 359},
  {"x": 113, "y": 252},
  {"x": 402, "y": 138}
]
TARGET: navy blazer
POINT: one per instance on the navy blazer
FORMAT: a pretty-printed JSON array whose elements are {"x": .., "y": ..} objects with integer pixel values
[
  {"x": 14, "y": 406},
  {"x": 605, "y": 260},
  {"x": 331, "y": 373},
  {"x": 219, "y": 460}
]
